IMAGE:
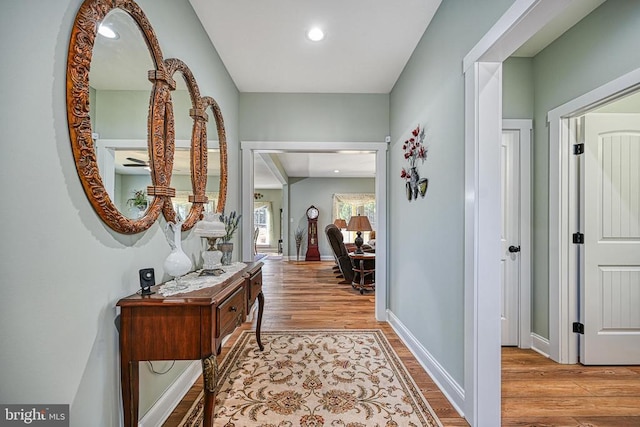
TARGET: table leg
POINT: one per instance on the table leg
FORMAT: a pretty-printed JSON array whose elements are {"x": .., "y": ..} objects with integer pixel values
[
  {"x": 210, "y": 377},
  {"x": 361, "y": 277},
  {"x": 130, "y": 391},
  {"x": 259, "y": 323}
]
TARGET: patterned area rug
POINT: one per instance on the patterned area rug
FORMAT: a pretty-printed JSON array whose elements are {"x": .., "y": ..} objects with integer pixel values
[{"x": 342, "y": 378}]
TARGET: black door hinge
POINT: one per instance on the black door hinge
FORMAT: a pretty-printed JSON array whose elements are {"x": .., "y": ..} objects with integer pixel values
[
  {"x": 578, "y": 328},
  {"x": 578, "y": 149},
  {"x": 578, "y": 238}
]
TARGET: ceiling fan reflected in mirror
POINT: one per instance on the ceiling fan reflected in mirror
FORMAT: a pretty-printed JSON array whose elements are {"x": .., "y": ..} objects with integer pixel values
[{"x": 136, "y": 163}]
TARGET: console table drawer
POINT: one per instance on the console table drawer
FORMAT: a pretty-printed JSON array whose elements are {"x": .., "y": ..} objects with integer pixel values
[
  {"x": 230, "y": 312},
  {"x": 254, "y": 287}
]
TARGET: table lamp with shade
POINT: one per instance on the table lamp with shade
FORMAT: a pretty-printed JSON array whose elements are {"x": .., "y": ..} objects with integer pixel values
[
  {"x": 359, "y": 223},
  {"x": 340, "y": 223}
]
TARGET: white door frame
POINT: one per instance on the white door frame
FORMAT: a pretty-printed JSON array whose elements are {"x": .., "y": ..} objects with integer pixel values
[
  {"x": 248, "y": 148},
  {"x": 482, "y": 68},
  {"x": 525, "y": 128},
  {"x": 563, "y": 211}
]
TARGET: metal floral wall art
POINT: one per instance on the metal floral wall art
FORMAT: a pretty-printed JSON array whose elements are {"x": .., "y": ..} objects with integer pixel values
[{"x": 414, "y": 149}]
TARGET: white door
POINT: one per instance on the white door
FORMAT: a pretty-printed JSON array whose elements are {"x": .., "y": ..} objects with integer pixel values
[
  {"x": 510, "y": 235},
  {"x": 610, "y": 285}
]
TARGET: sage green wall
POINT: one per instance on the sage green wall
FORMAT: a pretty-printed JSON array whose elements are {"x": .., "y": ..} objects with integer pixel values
[
  {"x": 600, "y": 48},
  {"x": 426, "y": 237},
  {"x": 517, "y": 88},
  {"x": 314, "y": 117},
  {"x": 122, "y": 114},
  {"x": 304, "y": 192},
  {"x": 63, "y": 269}
]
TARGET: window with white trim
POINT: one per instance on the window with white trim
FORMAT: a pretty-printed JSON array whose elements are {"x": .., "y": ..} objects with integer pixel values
[{"x": 346, "y": 205}]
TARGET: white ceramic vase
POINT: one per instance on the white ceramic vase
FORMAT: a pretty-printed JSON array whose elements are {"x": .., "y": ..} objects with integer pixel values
[{"x": 177, "y": 263}]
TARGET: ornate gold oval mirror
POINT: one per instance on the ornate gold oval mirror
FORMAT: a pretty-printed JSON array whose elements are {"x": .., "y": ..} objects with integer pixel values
[
  {"x": 188, "y": 160},
  {"x": 80, "y": 114},
  {"x": 217, "y": 151},
  {"x": 187, "y": 103},
  {"x": 126, "y": 171}
]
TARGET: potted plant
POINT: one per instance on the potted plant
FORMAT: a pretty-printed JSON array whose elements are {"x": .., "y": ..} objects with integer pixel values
[
  {"x": 231, "y": 223},
  {"x": 299, "y": 235},
  {"x": 139, "y": 201}
]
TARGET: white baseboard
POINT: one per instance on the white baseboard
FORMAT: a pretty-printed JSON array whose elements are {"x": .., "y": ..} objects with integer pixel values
[
  {"x": 160, "y": 411},
  {"x": 540, "y": 344},
  {"x": 252, "y": 310},
  {"x": 449, "y": 387}
]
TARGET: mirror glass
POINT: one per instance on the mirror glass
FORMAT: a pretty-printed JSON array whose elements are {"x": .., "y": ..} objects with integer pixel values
[{"x": 119, "y": 93}]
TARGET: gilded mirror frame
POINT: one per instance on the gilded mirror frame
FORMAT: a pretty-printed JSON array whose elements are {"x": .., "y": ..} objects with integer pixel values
[
  {"x": 198, "y": 152},
  {"x": 207, "y": 102},
  {"x": 160, "y": 124},
  {"x": 83, "y": 34}
]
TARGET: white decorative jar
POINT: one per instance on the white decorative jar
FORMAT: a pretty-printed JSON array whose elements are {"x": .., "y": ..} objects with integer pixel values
[{"x": 177, "y": 263}]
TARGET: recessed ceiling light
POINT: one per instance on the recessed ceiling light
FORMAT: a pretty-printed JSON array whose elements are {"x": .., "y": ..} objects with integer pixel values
[
  {"x": 107, "y": 32},
  {"x": 336, "y": 171},
  {"x": 315, "y": 34}
]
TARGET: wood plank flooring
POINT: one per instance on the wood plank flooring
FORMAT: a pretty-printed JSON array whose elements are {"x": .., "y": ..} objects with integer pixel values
[
  {"x": 539, "y": 392},
  {"x": 535, "y": 390}
]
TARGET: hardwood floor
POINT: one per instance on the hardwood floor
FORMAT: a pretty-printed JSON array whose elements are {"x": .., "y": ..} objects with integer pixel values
[
  {"x": 535, "y": 390},
  {"x": 539, "y": 392}
]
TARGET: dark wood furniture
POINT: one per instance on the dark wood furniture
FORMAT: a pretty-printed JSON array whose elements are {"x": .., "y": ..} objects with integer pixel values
[
  {"x": 187, "y": 326},
  {"x": 313, "y": 253},
  {"x": 341, "y": 252},
  {"x": 364, "y": 267}
]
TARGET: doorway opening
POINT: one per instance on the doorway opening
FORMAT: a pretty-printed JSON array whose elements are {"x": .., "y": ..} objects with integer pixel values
[
  {"x": 516, "y": 233},
  {"x": 565, "y": 197},
  {"x": 249, "y": 148}
]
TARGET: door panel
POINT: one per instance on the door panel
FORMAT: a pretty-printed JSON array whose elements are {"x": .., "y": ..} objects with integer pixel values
[
  {"x": 510, "y": 235},
  {"x": 611, "y": 285}
]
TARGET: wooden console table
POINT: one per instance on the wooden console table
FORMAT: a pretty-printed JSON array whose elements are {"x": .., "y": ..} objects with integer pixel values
[{"x": 187, "y": 326}]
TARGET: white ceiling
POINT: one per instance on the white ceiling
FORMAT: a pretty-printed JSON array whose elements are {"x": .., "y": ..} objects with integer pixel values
[
  {"x": 312, "y": 165},
  {"x": 264, "y": 46}
]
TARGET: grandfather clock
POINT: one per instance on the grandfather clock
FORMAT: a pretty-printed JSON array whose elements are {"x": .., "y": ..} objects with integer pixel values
[{"x": 312, "y": 236}]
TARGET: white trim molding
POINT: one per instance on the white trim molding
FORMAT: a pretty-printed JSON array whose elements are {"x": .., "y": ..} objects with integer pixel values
[
  {"x": 482, "y": 68},
  {"x": 449, "y": 387},
  {"x": 162, "y": 409},
  {"x": 248, "y": 148},
  {"x": 483, "y": 115},
  {"x": 540, "y": 344}
]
